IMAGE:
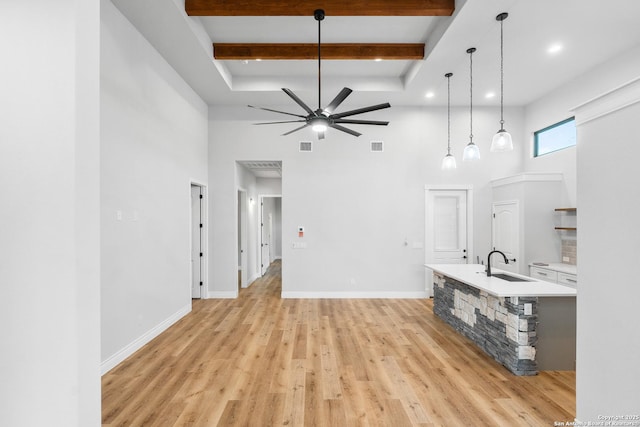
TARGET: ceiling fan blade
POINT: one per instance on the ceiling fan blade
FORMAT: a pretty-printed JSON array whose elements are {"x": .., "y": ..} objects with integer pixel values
[
  {"x": 361, "y": 110},
  {"x": 344, "y": 129},
  {"x": 338, "y": 100},
  {"x": 361, "y": 122},
  {"x": 275, "y": 123},
  {"x": 295, "y": 130},
  {"x": 298, "y": 100},
  {"x": 276, "y": 111}
]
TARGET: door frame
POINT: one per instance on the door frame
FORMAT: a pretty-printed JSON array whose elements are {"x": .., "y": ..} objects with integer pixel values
[
  {"x": 204, "y": 236},
  {"x": 428, "y": 279},
  {"x": 261, "y": 198},
  {"x": 242, "y": 235}
]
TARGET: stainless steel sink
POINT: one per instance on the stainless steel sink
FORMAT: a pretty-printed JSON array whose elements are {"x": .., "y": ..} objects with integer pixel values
[{"x": 509, "y": 278}]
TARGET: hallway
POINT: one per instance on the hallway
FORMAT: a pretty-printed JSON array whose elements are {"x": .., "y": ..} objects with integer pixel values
[{"x": 261, "y": 360}]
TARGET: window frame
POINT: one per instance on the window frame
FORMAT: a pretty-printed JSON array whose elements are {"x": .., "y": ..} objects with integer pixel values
[{"x": 548, "y": 128}]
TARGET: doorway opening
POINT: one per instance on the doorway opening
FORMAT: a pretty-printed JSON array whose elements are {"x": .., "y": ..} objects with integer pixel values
[
  {"x": 198, "y": 240},
  {"x": 270, "y": 232}
]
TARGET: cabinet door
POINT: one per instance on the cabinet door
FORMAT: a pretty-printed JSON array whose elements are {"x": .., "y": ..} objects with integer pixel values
[
  {"x": 542, "y": 274},
  {"x": 568, "y": 279}
]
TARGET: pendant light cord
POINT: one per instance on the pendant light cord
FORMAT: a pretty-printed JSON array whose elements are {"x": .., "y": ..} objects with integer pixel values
[
  {"x": 471, "y": 94},
  {"x": 501, "y": 76},
  {"x": 449, "y": 113},
  {"x": 319, "y": 62}
]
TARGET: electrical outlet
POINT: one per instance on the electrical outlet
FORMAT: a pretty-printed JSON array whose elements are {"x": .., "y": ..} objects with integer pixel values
[
  {"x": 528, "y": 309},
  {"x": 566, "y": 259}
]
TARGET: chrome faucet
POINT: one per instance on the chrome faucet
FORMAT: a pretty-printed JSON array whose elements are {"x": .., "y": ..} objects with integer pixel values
[{"x": 488, "y": 269}]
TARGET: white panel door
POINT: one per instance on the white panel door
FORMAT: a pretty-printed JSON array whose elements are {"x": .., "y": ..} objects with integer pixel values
[
  {"x": 506, "y": 234},
  {"x": 447, "y": 227}
]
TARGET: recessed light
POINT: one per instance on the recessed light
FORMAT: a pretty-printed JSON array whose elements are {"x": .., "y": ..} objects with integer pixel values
[
  {"x": 554, "y": 48},
  {"x": 378, "y": 59},
  {"x": 429, "y": 94},
  {"x": 258, "y": 59},
  {"x": 245, "y": 61},
  {"x": 490, "y": 95}
]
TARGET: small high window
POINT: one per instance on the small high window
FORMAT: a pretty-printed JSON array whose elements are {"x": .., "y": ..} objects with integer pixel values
[{"x": 555, "y": 137}]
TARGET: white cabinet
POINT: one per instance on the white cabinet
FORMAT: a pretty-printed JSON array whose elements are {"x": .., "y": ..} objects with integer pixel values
[
  {"x": 549, "y": 274},
  {"x": 543, "y": 274},
  {"x": 568, "y": 279}
]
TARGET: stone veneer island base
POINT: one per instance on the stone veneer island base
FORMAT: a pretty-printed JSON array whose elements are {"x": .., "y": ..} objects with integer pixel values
[{"x": 541, "y": 339}]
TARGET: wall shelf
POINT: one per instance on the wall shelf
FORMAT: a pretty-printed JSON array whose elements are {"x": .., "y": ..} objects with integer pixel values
[{"x": 569, "y": 215}]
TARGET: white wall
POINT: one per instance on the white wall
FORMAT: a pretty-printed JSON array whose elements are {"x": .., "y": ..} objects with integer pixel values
[
  {"x": 358, "y": 207},
  {"x": 608, "y": 339},
  {"x": 153, "y": 143},
  {"x": 49, "y": 213},
  {"x": 606, "y": 195},
  {"x": 556, "y": 106}
]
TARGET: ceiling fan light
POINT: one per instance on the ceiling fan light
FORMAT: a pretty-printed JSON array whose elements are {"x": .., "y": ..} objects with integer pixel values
[
  {"x": 319, "y": 127},
  {"x": 449, "y": 162},
  {"x": 471, "y": 152},
  {"x": 501, "y": 141},
  {"x": 318, "y": 124}
]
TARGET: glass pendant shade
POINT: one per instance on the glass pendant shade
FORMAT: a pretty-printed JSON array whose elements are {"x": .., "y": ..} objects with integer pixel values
[
  {"x": 501, "y": 141},
  {"x": 471, "y": 152},
  {"x": 449, "y": 162}
]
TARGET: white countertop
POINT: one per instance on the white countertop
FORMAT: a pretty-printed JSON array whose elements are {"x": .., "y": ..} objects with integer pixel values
[
  {"x": 558, "y": 266},
  {"x": 474, "y": 275}
]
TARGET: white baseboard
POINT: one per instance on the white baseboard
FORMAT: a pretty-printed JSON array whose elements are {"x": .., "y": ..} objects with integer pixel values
[
  {"x": 355, "y": 295},
  {"x": 222, "y": 294},
  {"x": 136, "y": 345}
]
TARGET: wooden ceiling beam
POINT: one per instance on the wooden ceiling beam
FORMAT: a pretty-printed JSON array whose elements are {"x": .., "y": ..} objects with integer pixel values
[
  {"x": 331, "y": 7},
  {"x": 303, "y": 51}
]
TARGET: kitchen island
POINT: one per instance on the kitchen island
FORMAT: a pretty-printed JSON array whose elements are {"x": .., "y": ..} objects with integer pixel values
[{"x": 525, "y": 325}]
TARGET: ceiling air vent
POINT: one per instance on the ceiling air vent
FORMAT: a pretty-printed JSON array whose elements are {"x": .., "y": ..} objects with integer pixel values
[
  {"x": 305, "y": 146},
  {"x": 377, "y": 146}
]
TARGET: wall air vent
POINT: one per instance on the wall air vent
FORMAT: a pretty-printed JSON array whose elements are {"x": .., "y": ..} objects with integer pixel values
[
  {"x": 306, "y": 146},
  {"x": 377, "y": 146}
]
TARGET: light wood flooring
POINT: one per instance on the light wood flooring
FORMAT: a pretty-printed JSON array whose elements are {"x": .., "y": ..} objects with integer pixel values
[{"x": 260, "y": 360}]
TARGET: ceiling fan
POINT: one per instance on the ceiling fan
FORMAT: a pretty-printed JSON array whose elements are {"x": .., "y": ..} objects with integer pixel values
[{"x": 324, "y": 118}]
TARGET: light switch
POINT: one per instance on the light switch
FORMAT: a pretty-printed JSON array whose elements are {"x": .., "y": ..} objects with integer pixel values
[
  {"x": 119, "y": 215},
  {"x": 528, "y": 309}
]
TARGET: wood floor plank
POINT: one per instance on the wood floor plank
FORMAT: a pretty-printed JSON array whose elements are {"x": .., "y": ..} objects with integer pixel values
[{"x": 260, "y": 360}]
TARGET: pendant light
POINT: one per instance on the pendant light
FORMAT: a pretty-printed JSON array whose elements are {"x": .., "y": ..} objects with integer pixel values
[
  {"x": 502, "y": 139},
  {"x": 449, "y": 162},
  {"x": 471, "y": 151}
]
